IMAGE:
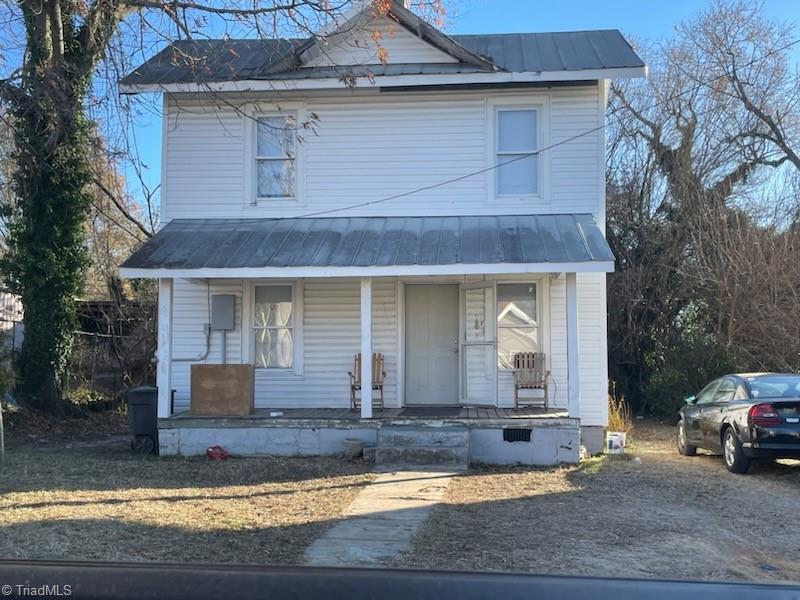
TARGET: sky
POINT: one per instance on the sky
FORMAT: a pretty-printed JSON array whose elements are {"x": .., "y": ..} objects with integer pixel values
[{"x": 638, "y": 19}]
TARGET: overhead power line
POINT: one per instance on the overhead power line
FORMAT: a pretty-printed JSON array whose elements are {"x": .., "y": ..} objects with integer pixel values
[{"x": 547, "y": 148}]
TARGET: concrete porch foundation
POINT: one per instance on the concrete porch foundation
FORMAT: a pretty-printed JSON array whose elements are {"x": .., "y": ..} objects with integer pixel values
[
  {"x": 593, "y": 437},
  {"x": 554, "y": 439}
]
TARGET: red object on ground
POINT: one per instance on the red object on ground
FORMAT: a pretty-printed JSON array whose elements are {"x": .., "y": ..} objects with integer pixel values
[{"x": 217, "y": 453}]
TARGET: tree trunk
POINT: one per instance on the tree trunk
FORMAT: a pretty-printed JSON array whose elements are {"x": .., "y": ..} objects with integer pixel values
[{"x": 47, "y": 257}]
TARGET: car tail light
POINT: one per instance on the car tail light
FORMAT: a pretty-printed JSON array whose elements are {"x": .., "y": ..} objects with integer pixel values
[{"x": 763, "y": 414}]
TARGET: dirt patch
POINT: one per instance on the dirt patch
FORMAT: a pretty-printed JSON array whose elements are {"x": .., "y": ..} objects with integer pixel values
[
  {"x": 84, "y": 501},
  {"x": 662, "y": 515}
]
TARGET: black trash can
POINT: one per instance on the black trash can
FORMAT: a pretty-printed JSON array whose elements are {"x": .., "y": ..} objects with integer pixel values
[{"x": 143, "y": 419}]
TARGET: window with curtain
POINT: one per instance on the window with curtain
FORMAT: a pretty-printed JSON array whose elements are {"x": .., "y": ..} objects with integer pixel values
[
  {"x": 273, "y": 327},
  {"x": 517, "y": 135},
  {"x": 517, "y": 321},
  {"x": 276, "y": 141}
]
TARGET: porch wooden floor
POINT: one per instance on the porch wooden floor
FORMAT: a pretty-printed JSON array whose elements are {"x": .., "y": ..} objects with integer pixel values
[{"x": 417, "y": 412}]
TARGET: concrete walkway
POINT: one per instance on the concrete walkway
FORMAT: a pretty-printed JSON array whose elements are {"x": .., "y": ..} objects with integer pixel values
[{"x": 381, "y": 521}]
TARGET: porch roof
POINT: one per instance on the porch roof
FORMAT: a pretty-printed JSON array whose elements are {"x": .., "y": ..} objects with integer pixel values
[{"x": 372, "y": 246}]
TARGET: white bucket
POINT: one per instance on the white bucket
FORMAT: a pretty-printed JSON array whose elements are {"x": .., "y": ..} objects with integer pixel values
[{"x": 615, "y": 442}]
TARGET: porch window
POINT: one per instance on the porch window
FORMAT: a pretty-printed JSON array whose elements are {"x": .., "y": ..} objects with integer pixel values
[
  {"x": 276, "y": 141},
  {"x": 273, "y": 327},
  {"x": 517, "y": 136},
  {"x": 517, "y": 321}
]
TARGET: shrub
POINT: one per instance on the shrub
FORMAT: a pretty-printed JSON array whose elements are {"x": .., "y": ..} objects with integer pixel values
[
  {"x": 83, "y": 400},
  {"x": 683, "y": 372},
  {"x": 619, "y": 412}
]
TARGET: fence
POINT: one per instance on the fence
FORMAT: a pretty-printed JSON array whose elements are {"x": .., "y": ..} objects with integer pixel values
[
  {"x": 113, "y": 350},
  {"x": 12, "y": 331}
]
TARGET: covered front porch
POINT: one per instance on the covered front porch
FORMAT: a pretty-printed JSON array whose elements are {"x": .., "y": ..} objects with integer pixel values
[
  {"x": 445, "y": 342},
  {"x": 445, "y": 306}
]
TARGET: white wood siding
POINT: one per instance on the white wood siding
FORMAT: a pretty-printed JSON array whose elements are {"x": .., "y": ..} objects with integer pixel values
[
  {"x": 577, "y": 167},
  {"x": 191, "y": 311},
  {"x": 331, "y": 336},
  {"x": 365, "y": 148},
  {"x": 204, "y": 154},
  {"x": 592, "y": 346},
  {"x": 592, "y": 326},
  {"x": 362, "y": 47}
]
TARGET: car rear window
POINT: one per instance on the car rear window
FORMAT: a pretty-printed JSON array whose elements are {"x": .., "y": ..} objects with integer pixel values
[{"x": 775, "y": 386}]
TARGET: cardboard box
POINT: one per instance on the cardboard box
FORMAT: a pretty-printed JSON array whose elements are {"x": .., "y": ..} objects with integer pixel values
[{"x": 222, "y": 390}]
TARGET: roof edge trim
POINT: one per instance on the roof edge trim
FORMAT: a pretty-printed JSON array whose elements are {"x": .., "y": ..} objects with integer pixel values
[
  {"x": 282, "y": 85},
  {"x": 589, "y": 266}
]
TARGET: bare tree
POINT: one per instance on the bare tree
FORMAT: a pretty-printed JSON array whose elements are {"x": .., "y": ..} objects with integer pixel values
[
  {"x": 52, "y": 83},
  {"x": 694, "y": 212},
  {"x": 748, "y": 53}
]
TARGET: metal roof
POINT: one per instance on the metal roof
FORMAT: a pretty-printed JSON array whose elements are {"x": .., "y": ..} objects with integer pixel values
[
  {"x": 185, "y": 244},
  {"x": 207, "y": 61},
  {"x": 559, "y": 51}
]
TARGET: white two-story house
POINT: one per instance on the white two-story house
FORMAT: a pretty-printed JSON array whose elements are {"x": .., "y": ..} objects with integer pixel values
[{"x": 386, "y": 189}]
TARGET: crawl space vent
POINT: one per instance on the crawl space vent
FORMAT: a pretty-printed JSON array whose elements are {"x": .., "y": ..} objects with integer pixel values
[{"x": 517, "y": 435}]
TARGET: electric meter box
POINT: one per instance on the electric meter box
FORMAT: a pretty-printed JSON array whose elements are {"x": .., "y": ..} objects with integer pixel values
[{"x": 223, "y": 311}]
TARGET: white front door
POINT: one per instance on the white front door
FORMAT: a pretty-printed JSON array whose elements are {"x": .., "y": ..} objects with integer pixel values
[
  {"x": 479, "y": 345},
  {"x": 431, "y": 354}
]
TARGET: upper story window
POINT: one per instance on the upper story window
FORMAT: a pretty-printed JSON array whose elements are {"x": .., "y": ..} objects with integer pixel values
[
  {"x": 516, "y": 137},
  {"x": 276, "y": 157}
]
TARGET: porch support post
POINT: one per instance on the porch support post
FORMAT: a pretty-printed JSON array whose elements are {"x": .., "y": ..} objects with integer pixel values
[
  {"x": 573, "y": 353},
  {"x": 366, "y": 347},
  {"x": 164, "y": 347}
]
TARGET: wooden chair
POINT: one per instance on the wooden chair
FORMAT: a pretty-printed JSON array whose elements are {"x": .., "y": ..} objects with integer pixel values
[
  {"x": 530, "y": 373},
  {"x": 378, "y": 375}
]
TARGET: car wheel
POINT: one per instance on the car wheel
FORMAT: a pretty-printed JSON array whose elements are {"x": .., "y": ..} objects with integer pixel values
[
  {"x": 684, "y": 447},
  {"x": 732, "y": 452}
]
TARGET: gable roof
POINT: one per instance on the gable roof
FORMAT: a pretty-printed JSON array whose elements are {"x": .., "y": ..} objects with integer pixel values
[
  {"x": 226, "y": 60},
  {"x": 408, "y": 20},
  {"x": 203, "y": 61}
]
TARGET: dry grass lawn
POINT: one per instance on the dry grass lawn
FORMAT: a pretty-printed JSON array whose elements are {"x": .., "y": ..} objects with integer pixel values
[
  {"x": 103, "y": 503},
  {"x": 667, "y": 516},
  {"x": 663, "y": 516}
]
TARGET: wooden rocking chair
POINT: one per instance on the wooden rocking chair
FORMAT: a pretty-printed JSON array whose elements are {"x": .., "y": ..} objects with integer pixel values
[
  {"x": 530, "y": 374},
  {"x": 378, "y": 375}
]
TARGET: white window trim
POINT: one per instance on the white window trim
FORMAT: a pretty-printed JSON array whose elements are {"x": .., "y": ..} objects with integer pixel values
[
  {"x": 251, "y": 114},
  {"x": 248, "y": 353},
  {"x": 542, "y": 107}
]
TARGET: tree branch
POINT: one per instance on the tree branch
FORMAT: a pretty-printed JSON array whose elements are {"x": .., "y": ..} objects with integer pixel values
[
  {"x": 778, "y": 137},
  {"x": 56, "y": 31},
  {"x": 121, "y": 207},
  {"x": 290, "y": 6}
]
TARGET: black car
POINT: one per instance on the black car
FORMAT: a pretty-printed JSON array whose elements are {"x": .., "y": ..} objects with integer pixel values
[{"x": 743, "y": 416}]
